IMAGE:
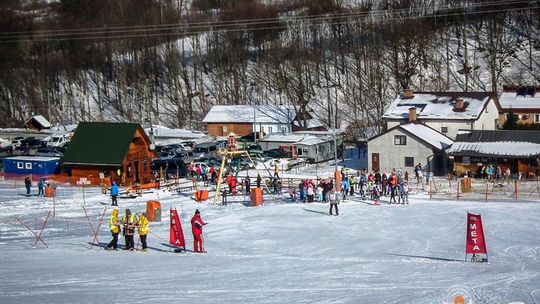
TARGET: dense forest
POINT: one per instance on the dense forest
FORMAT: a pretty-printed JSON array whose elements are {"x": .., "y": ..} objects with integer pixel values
[{"x": 171, "y": 60}]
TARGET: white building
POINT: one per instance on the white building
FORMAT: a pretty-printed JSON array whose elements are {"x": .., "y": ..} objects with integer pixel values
[
  {"x": 315, "y": 147},
  {"x": 244, "y": 119},
  {"x": 446, "y": 112},
  {"x": 406, "y": 145}
]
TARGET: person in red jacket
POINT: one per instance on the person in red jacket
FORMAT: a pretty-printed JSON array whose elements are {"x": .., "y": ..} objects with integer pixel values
[{"x": 196, "y": 228}]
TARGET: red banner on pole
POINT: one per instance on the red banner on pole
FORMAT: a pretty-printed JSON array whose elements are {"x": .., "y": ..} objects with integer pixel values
[
  {"x": 476, "y": 242},
  {"x": 177, "y": 234}
]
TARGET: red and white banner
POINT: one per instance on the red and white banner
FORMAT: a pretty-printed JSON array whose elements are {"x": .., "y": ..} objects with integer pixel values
[
  {"x": 476, "y": 243},
  {"x": 177, "y": 234}
]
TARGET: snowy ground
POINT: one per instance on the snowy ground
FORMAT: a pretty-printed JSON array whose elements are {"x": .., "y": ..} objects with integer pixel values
[{"x": 280, "y": 253}]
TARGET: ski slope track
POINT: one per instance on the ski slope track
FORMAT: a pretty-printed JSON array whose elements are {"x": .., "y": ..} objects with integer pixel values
[{"x": 281, "y": 252}]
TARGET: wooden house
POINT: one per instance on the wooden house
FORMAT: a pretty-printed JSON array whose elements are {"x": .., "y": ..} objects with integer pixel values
[
  {"x": 523, "y": 101},
  {"x": 106, "y": 152},
  {"x": 515, "y": 149}
]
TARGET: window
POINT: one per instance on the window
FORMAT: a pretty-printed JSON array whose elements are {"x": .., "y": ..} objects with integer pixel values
[
  {"x": 224, "y": 129},
  {"x": 536, "y": 118},
  {"x": 28, "y": 166},
  {"x": 400, "y": 140},
  {"x": 444, "y": 130},
  {"x": 20, "y": 165},
  {"x": 269, "y": 129},
  {"x": 409, "y": 161}
]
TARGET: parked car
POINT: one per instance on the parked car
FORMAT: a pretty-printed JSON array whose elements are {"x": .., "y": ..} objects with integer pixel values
[
  {"x": 166, "y": 154},
  {"x": 22, "y": 150},
  {"x": 205, "y": 149},
  {"x": 171, "y": 167},
  {"x": 188, "y": 143},
  {"x": 58, "y": 140},
  {"x": 17, "y": 141},
  {"x": 274, "y": 153},
  {"x": 51, "y": 152},
  {"x": 33, "y": 142}
]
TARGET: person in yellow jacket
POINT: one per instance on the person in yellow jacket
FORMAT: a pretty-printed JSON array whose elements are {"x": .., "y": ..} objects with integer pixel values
[
  {"x": 114, "y": 226},
  {"x": 129, "y": 220},
  {"x": 143, "y": 229}
]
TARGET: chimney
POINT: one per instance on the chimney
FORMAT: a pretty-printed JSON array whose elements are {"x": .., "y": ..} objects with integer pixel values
[
  {"x": 412, "y": 114},
  {"x": 459, "y": 106},
  {"x": 408, "y": 94}
]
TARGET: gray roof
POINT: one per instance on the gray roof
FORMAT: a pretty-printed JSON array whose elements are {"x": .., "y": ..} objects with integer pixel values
[{"x": 500, "y": 144}]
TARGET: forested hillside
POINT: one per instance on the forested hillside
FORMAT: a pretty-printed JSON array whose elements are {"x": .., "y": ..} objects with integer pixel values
[{"x": 171, "y": 60}]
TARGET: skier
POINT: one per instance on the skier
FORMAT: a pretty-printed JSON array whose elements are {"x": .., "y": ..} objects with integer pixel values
[
  {"x": 334, "y": 202},
  {"x": 114, "y": 194},
  {"x": 129, "y": 221},
  {"x": 259, "y": 179},
  {"x": 392, "y": 181},
  {"x": 376, "y": 193},
  {"x": 418, "y": 172},
  {"x": 143, "y": 230},
  {"x": 247, "y": 185},
  {"x": 403, "y": 193},
  {"x": 41, "y": 185},
  {"x": 345, "y": 187},
  {"x": 196, "y": 228},
  {"x": 27, "y": 184},
  {"x": 310, "y": 193},
  {"x": 302, "y": 191},
  {"x": 114, "y": 226}
]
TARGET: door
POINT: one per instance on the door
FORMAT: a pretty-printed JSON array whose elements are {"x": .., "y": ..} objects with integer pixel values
[
  {"x": 375, "y": 161},
  {"x": 137, "y": 172}
]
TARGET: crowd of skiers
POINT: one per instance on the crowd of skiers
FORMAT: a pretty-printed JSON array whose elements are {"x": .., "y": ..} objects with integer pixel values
[
  {"x": 365, "y": 184},
  {"x": 131, "y": 222}
]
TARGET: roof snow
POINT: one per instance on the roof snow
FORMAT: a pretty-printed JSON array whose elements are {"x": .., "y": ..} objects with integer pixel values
[
  {"x": 40, "y": 120},
  {"x": 511, "y": 100},
  {"x": 250, "y": 114},
  {"x": 502, "y": 148},
  {"x": 439, "y": 105},
  {"x": 295, "y": 138},
  {"x": 429, "y": 135},
  {"x": 164, "y": 132},
  {"x": 311, "y": 123},
  {"x": 506, "y": 143}
]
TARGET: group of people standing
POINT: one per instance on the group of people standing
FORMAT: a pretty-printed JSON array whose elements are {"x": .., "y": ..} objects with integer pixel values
[
  {"x": 127, "y": 225},
  {"x": 131, "y": 222},
  {"x": 41, "y": 186}
]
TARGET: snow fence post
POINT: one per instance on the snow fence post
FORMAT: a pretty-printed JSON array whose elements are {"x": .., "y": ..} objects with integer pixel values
[
  {"x": 516, "y": 189},
  {"x": 457, "y": 191},
  {"x": 487, "y": 189}
]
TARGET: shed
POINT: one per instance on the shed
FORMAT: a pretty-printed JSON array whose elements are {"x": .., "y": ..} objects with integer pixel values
[
  {"x": 30, "y": 165},
  {"x": 37, "y": 122},
  {"x": 111, "y": 151}
]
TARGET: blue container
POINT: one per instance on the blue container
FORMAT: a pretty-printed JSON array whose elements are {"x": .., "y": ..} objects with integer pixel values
[{"x": 26, "y": 165}]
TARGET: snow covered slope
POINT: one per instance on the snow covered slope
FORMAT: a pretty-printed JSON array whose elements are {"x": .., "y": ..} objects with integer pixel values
[{"x": 280, "y": 253}]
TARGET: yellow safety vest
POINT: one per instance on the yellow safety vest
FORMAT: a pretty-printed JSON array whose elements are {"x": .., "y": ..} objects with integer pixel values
[
  {"x": 113, "y": 224},
  {"x": 143, "y": 225}
]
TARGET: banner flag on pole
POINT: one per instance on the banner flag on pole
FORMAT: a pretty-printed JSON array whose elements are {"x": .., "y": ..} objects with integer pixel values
[
  {"x": 476, "y": 243},
  {"x": 176, "y": 234}
]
